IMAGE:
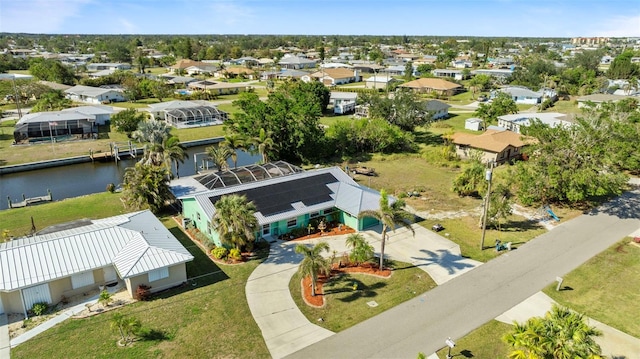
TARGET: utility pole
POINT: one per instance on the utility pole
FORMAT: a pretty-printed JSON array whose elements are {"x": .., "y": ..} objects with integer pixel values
[{"x": 485, "y": 207}]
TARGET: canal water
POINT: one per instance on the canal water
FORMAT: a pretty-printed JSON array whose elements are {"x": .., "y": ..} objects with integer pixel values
[{"x": 87, "y": 178}]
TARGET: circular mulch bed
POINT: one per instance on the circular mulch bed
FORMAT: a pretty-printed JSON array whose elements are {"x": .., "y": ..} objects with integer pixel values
[{"x": 318, "y": 301}]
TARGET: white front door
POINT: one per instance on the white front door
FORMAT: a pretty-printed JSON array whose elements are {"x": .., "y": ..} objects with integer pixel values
[{"x": 39, "y": 293}]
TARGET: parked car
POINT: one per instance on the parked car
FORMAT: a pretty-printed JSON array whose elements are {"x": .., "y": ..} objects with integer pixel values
[{"x": 437, "y": 227}]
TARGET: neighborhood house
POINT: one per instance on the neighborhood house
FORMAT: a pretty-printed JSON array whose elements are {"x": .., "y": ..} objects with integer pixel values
[
  {"x": 94, "y": 95},
  {"x": 184, "y": 114},
  {"x": 495, "y": 146},
  {"x": 516, "y": 121},
  {"x": 286, "y": 197},
  {"x": 74, "y": 258}
]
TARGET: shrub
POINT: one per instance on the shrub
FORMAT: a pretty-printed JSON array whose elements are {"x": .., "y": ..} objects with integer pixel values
[
  {"x": 219, "y": 252},
  {"x": 40, "y": 308},
  {"x": 111, "y": 188},
  {"x": 143, "y": 292},
  {"x": 234, "y": 253}
]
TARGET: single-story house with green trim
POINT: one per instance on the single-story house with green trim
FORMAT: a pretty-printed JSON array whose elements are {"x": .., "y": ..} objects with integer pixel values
[
  {"x": 76, "y": 257},
  {"x": 286, "y": 197}
]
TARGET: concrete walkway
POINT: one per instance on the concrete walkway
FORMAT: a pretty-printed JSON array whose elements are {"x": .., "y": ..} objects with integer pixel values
[
  {"x": 286, "y": 330},
  {"x": 614, "y": 343},
  {"x": 4, "y": 337}
]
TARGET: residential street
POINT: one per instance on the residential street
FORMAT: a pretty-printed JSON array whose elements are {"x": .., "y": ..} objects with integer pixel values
[{"x": 472, "y": 299}]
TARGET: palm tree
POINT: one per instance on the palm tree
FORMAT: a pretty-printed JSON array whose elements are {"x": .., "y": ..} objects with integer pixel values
[
  {"x": 151, "y": 131},
  {"x": 264, "y": 144},
  {"x": 219, "y": 155},
  {"x": 389, "y": 216},
  {"x": 234, "y": 220},
  {"x": 146, "y": 186},
  {"x": 313, "y": 262},
  {"x": 126, "y": 327},
  {"x": 175, "y": 152},
  {"x": 361, "y": 250},
  {"x": 235, "y": 141},
  {"x": 560, "y": 334},
  {"x": 500, "y": 204}
]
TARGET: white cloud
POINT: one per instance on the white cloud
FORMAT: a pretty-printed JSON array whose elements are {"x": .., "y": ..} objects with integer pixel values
[
  {"x": 620, "y": 26},
  {"x": 231, "y": 13},
  {"x": 126, "y": 27},
  {"x": 38, "y": 16}
]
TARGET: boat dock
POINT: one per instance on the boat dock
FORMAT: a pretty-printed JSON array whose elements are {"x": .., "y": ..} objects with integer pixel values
[
  {"x": 30, "y": 201},
  {"x": 116, "y": 152}
]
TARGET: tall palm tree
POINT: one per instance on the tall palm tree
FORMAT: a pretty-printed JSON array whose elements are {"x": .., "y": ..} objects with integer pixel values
[
  {"x": 219, "y": 155},
  {"x": 560, "y": 334},
  {"x": 235, "y": 141},
  {"x": 235, "y": 221},
  {"x": 389, "y": 216},
  {"x": 313, "y": 262},
  {"x": 146, "y": 186},
  {"x": 263, "y": 143},
  {"x": 175, "y": 152}
]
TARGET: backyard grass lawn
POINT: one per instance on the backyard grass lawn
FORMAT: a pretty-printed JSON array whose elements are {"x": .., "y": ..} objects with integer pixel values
[
  {"x": 209, "y": 318},
  {"x": 345, "y": 307},
  {"x": 402, "y": 173},
  {"x": 100, "y": 205},
  {"x": 606, "y": 288},
  {"x": 484, "y": 342},
  {"x": 465, "y": 232}
]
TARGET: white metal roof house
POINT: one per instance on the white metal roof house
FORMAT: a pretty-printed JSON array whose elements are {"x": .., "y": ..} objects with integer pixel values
[
  {"x": 76, "y": 257},
  {"x": 523, "y": 95},
  {"x": 293, "y": 62},
  {"x": 286, "y": 197},
  {"x": 437, "y": 109},
  {"x": 516, "y": 121},
  {"x": 343, "y": 102},
  {"x": 185, "y": 114},
  {"x": 95, "y": 95},
  {"x": 108, "y": 66}
]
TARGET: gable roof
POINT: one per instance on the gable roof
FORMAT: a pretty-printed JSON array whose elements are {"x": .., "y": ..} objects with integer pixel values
[
  {"x": 520, "y": 92},
  {"x": 551, "y": 119},
  {"x": 88, "y": 91},
  {"x": 335, "y": 73},
  {"x": 134, "y": 243},
  {"x": 289, "y": 60},
  {"x": 491, "y": 140},
  {"x": 435, "y": 105},
  {"x": 431, "y": 83}
]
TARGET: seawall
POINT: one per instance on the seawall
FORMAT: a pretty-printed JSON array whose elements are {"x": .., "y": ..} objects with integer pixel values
[{"x": 23, "y": 167}]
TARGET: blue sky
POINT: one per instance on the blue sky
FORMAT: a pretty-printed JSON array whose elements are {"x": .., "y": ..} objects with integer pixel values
[{"x": 527, "y": 18}]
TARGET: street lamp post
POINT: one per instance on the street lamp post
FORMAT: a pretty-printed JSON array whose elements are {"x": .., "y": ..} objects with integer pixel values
[{"x": 485, "y": 208}]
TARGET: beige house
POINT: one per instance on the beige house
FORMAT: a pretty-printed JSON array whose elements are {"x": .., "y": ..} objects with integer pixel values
[
  {"x": 76, "y": 257},
  {"x": 433, "y": 85},
  {"x": 495, "y": 146},
  {"x": 334, "y": 76}
]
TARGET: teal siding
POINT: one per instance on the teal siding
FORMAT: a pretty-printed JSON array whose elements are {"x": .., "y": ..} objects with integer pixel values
[{"x": 367, "y": 222}]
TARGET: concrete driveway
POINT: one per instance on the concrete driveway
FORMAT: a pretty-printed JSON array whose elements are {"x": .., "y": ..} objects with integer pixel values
[{"x": 286, "y": 330}]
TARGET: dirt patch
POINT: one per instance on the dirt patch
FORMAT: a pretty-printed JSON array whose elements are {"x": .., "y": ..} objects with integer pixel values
[{"x": 318, "y": 300}]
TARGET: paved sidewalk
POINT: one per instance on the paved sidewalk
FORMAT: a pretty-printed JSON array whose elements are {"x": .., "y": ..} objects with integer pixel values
[
  {"x": 4, "y": 337},
  {"x": 614, "y": 343},
  {"x": 286, "y": 330}
]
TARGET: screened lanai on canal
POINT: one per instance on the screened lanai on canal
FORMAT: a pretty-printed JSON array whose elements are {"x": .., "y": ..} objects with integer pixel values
[
  {"x": 184, "y": 114},
  {"x": 246, "y": 174},
  {"x": 73, "y": 123}
]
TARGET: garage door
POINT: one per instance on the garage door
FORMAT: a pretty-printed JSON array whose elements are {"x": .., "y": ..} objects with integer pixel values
[
  {"x": 82, "y": 279},
  {"x": 37, "y": 294},
  {"x": 110, "y": 275}
]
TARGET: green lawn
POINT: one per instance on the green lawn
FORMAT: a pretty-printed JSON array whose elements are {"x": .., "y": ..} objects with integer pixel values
[
  {"x": 483, "y": 343},
  {"x": 564, "y": 107},
  {"x": 606, "y": 288},
  {"x": 346, "y": 307},
  {"x": 209, "y": 318},
  {"x": 329, "y": 119}
]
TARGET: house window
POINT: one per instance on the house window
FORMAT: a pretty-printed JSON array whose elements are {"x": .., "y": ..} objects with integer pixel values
[
  {"x": 314, "y": 214},
  {"x": 292, "y": 223},
  {"x": 265, "y": 229},
  {"x": 209, "y": 227},
  {"x": 158, "y": 274},
  {"x": 198, "y": 216}
]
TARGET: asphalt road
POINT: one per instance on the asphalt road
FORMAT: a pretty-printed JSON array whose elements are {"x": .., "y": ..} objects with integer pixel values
[{"x": 472, "y": 299}]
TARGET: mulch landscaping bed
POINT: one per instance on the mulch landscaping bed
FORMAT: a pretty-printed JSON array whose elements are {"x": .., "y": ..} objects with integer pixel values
[{"x": 319, "y": 300}]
